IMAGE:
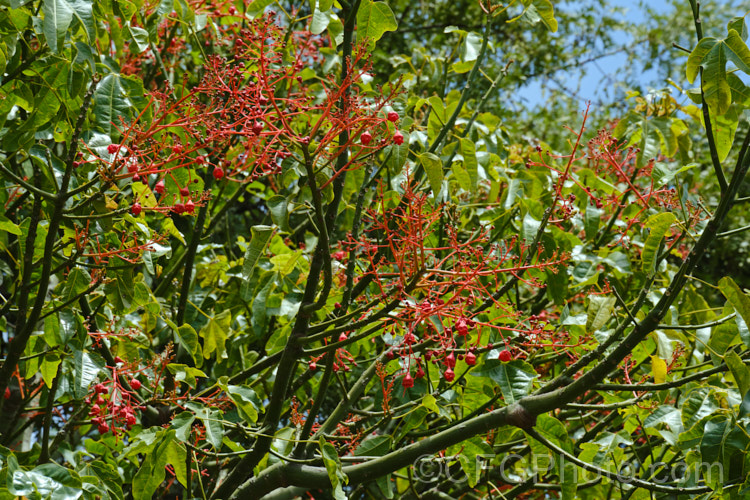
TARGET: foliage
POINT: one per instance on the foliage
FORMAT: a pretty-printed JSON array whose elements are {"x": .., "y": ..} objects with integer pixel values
[{"x": 250, "y": 253}]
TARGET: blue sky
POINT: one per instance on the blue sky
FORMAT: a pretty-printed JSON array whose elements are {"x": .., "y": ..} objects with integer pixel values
[{"x": 604, "y": 71}]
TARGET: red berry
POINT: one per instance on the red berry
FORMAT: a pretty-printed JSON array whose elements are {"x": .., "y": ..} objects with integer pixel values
[
  {"x": 135, "y": 384},
  {"x": 190, "y": 206},
  {"x": 505, "y": 356},
  {"x": 218, "y": 173},
  {"x": 398, "y": 137},
  {"x": 450, "y": 361},
  {"x": 136, "y": 209},
  {"x": 113, "y": 148},
  {"x": 471, "y": 359},
  {"x": 449, "y": 375},
  {"x": 365, "y": 138},
  {"x": 408, "y": 381},
  {"x": 392, "y": 116},
  {"x": 159, "y": 187},
  {"x": 337, "y": 305}
]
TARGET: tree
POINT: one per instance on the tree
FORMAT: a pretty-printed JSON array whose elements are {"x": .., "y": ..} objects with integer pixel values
[{"x": 238, "y": 261}]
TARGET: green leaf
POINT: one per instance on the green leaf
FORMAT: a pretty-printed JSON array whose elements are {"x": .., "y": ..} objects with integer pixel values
[
  {"x": 745, "y": 405},
  {"x": 183, "y": 424},
  {"x": 333, "y": 467},
  {"x": 738, "y": 24},
  {"x": 185, "y": 373},
  {"x": 396, "y": 155},
  {"x": 256, "y": 7},
  {"x": 78, "y": 280},
  {"x": 189, "y": 340},
  {"x": 152, "y": 471},
  {"x": 212, "y": 421},
  {"x": 738, "y": 299},
  {"x": 86, "y": 371},
  {"x": 8, "y": 226},
  {"x": 599, "y": 311},
  {"x": 111, "y": 104},
  {"x": 374, "y": 447},
  {"x": 538, "y": 11},
  {"x": 140, "y": 37},
  {"x": 277, "y": 205},
  {"x": 49, "y": 367},
  {"x": 176, "y": 457},
  {"x": 470, "y": 454},
  {"x": 712, "y": 55},
  {"x": 260, "y": 236},
  {"x": 658, "y": 224},
  {"x": 716, "y": 431},
  {"x": 321, "y": 18},
  {"x": 374, "y": 19},
  {"x": 58, "y": 14},
  {"x": 470, "y": 161},
  {"x": 215, "y": 334},
  {"x": 433, "y": 167},
  {"x": 461, "y": 175},
  {"x": 723, "y": 128},
  {"x": 663, "y": 173},
  {"x": 739, "y": 370},
  {"x": 514, "y": 378},
  {"x": 246, "y": 400}
]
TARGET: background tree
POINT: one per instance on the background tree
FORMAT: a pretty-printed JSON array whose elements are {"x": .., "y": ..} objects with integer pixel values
[{"x": 252, "y": 252}]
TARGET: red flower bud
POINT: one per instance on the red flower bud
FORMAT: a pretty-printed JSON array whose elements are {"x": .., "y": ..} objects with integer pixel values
[
  {"x": 135, "y": 384},
  {"x": 505, "y": 356},
  {"x": 408, "y": 381},
  {"x": 113, "y": 148},
  {"x": 392, "y": 116},
  {"x": 449, "y": 375},
  {"x": 218, "y": 173},
  {"x": 159, "y": 187},
  {"x": 365, "y": 138}
]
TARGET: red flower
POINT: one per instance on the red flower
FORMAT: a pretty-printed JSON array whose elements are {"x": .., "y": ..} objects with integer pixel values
[
  {"x": 505, "y": 356},
  {"x": 398, "y": 137}
]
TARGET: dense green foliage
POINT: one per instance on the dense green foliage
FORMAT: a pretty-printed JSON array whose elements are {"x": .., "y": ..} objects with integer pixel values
[{"x": 320, "y": 251}]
